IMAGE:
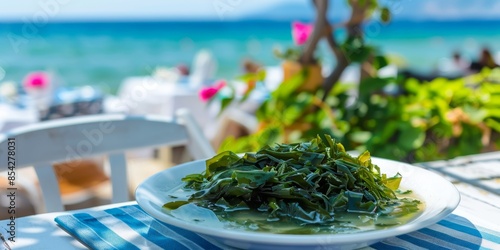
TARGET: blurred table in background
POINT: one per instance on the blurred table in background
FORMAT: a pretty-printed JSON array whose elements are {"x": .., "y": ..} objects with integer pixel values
[
  {"x": 147, "y": 95},
  {"x": 12, "y": 116},
  {"x": 72, "y": 102}
]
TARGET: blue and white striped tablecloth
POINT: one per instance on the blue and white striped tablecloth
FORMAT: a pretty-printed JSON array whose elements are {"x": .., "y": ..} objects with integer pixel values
[{"x": 129, "y": 227}]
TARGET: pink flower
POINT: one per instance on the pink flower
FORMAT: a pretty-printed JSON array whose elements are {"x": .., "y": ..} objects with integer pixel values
[
  {"x": 36, "y": 80},
  {"x": 220, "y": 84},
  {"x": 301, "y": 32},
  {"x": 207, "y": 93}
]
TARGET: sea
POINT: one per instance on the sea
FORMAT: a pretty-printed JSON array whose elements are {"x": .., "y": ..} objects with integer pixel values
[{"x": 103, "y": 54}]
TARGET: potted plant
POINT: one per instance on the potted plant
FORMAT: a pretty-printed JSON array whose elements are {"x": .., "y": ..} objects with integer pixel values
[{"x": 292, "y": 64}]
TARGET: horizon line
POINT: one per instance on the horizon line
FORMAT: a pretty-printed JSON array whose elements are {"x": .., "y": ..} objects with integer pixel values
[{"x": 234, "y": 20}]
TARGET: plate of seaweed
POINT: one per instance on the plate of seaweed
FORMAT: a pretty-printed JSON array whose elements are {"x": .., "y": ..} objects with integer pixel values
[{"x": 302, "y": 195}]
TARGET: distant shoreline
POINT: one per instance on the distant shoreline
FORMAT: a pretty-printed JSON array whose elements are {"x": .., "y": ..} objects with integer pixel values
[{"x": 215, "y": 21}]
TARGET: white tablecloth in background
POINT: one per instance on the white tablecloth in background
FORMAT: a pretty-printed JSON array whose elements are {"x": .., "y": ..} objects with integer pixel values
[
  {"x": 153, "y": 96},
  {"x": 11, "y": 117}
]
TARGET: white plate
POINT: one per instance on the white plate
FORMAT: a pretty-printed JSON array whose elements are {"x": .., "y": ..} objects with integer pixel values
[{"x": 439, "y": 195}]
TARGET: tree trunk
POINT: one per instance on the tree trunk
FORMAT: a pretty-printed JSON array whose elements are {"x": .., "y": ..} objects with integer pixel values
[
  {"x": 319, "y": 27},
  {"x": 322, "y": 28}
]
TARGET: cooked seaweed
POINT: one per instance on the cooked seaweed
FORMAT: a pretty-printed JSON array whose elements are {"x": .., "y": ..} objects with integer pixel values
[{"x": 310, "y": 182}]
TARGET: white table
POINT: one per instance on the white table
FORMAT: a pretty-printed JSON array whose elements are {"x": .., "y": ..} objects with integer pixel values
[
  {"x": 149, "y": 95},
  {"x": 11, "y": 117},
  {"x": 479, "y": 206},
  {"x": 41, "y": 232}
]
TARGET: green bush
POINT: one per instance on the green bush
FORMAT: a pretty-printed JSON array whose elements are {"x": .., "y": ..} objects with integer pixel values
[{"x": 423, "y": 121}]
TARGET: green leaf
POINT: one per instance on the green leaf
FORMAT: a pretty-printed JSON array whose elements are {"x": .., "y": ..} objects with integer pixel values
[
  {"x": 385, "y": 15},
  {"x": 254, "y": 179},
  {"x": 225, "y": 102},
  {"x": 365, "y": 159},
  {"x": 393, "y": 182},
  {"x": 410, "y": 137},
  {"x": 380, "y": 62},
  {"x": 493, "y": 124},
  {"x": 289, "y": 86},
  {"x": 370, "y": 85},
  {"x": 174, "y": 204},
  {"x": 356, "y": 50},
  {"x": 220, "y": 162}
]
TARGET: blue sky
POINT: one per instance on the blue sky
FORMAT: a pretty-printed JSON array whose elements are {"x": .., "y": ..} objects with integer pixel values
[{"x": 233, "y": 9}]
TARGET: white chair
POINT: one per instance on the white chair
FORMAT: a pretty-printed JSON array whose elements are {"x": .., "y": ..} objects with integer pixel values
[{"x": 43, "y": 144}]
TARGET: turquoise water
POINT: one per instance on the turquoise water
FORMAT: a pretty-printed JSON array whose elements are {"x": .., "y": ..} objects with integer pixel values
[{"x": 103, "y": 54}]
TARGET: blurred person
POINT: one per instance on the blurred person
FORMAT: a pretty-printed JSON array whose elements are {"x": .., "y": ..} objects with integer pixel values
[
  {"x": 485, "y": 61},
  {"x": 460, "y": 67},
  {"x": 459, "y": 63},
  {"x": 182, "y": 69},
  {"x": 183, "y": 72}
]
